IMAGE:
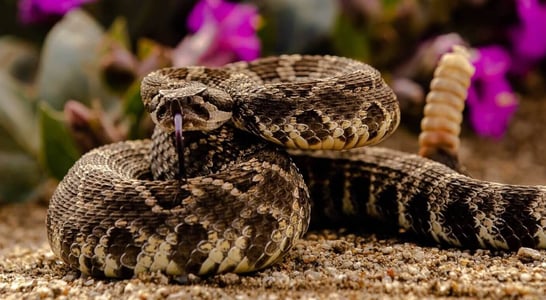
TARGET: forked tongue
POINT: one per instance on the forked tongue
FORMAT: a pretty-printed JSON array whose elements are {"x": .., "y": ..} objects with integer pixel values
[{"x": 179, "y": 144}]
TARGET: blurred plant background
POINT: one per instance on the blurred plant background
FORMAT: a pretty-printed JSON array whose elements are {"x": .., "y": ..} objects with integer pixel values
[{"x": 70, "y": 69}]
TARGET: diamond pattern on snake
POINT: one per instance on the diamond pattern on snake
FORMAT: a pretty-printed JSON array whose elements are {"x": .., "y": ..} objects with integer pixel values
[{"x": 215, "y": 190}]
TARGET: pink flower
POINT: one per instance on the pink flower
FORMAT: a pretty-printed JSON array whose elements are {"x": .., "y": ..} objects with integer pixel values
[
  {"x": 224, "y": 32},
  {"x": 529, "y": 44},
  {"x": 34, "y": 11},
  {"x": 491, "y": 100}
]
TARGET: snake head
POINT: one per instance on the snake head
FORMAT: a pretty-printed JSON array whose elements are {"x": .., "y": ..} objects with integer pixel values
[{"x": 202, "y": 107}]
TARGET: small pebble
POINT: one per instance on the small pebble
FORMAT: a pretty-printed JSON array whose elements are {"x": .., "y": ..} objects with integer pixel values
[
  {"x": 418, "y": 255},
  {"x": 130, "y": 287},
  {"x": 70, "y": 276},
  {"x": 44, "y": 292},
  {"x": 528, "y": 254},
  {"x": 353, "y": 267},
  {"x": 525, "y": 277},
  {"x": 230, "y": 278},
  {"x": 89, "y": 282},
  {"x": 387, "y": 250},
  {"x": 312, "y": 275}
]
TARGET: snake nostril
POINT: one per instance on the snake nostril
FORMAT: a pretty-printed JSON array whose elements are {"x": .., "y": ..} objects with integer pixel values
[{"x": 161, "y": 111}]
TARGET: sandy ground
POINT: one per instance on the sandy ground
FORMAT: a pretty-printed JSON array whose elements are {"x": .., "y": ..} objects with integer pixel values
[{"x": 326, "y": 264}]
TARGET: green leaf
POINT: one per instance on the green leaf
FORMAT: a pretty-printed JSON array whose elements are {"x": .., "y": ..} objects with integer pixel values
[
  {"x": 18, "y": 58},
  {"x": 59, "y": 151},
  {"x": 119, "y": 32},
  {"x": 17, "y": 118},
  {"x": 70, "y": 63},
  {"x": 296, "y": 26},
  {"x": 390, "y": 4},
  {"x": 145, "y": 48},
  {"x": 20, "y": 172},
  {"x": 20, "y": 176},
  {"x": 133, "y": 110},
  {"x": 349, "y": 41}
]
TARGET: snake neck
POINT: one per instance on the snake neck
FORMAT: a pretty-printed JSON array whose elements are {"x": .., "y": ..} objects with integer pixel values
[{"x": 204, "y": 152}]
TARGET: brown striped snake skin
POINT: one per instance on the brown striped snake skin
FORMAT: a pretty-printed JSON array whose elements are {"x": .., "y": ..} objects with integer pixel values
[{"x": 237, "y": 201}]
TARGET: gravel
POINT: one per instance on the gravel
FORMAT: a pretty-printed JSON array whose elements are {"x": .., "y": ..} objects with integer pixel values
[{"x": 327, "y": 264}]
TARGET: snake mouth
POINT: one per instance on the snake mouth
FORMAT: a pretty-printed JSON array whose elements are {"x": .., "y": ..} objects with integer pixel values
[{"x": 204, "y": 109}]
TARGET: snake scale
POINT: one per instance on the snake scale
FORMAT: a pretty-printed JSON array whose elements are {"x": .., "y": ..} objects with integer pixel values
[{"x": 225, "y": 196}]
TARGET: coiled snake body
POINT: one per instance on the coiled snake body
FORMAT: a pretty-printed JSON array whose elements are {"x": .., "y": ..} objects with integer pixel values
[{"x": 126, "y": 208}]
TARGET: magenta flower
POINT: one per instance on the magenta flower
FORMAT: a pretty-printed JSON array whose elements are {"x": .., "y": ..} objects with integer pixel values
[
  {"x": 34, "y": 11},
  {"x": 529, "y": 44},
  {"x": 491, "y": 100},
  {"x": 224, "y": 32}
]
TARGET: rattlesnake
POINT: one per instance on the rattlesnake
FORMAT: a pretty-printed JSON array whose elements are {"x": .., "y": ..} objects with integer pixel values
[{"x": 237, "y": 202}]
